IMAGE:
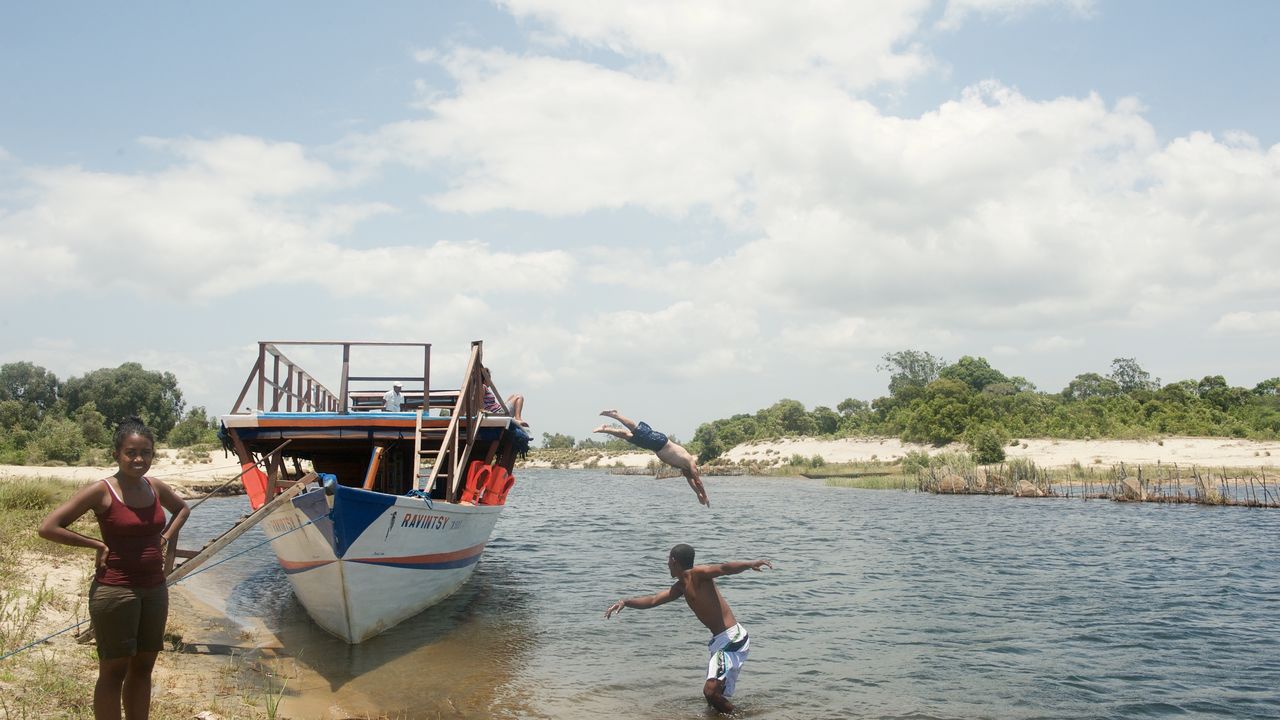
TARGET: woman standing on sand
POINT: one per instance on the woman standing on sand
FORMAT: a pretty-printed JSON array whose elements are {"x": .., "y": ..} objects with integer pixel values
[{"x": 128, "y": 599}]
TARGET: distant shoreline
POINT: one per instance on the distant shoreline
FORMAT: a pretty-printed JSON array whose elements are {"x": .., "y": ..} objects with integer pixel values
[
  {"x": 1045, "y": 452},
  {"x": 195, "y": 479}
]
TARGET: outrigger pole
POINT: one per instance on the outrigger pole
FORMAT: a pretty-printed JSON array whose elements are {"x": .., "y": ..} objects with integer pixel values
[{"x": 211, "y": 548}]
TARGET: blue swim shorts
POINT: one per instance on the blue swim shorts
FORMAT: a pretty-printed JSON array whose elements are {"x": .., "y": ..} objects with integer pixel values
[{"x": 647, "y": 438}]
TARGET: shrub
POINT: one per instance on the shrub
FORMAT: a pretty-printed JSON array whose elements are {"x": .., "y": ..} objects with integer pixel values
[
  {"x": 987, "y": 443},
  {"x": 57, "y": 439},
  {"x": 914, "y": 461},
  {"x": 1022, "y": 469},
  {"x": 817, "y": 461},
  {"x": 93, "y": 425},
  {"x": 195, "y": 428},
  {"x": 28, "y": 495},
  {"x": 961, "y": 463}
]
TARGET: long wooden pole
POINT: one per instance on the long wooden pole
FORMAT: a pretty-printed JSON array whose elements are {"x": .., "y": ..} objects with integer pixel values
[{"x": 210, "y": 549}]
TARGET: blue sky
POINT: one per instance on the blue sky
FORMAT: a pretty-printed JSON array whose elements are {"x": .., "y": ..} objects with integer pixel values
[{"x": 683, "y": 210}]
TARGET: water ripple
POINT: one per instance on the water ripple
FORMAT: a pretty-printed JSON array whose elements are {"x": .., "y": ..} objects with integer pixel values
[{"x": 882, "y": 604}]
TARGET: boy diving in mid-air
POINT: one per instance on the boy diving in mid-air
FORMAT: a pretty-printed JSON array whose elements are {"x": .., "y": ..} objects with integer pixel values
[{"x": 671, "y": 453}]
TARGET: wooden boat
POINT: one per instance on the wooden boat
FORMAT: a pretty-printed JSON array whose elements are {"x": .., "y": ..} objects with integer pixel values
[{"x": 387, "y": 512}]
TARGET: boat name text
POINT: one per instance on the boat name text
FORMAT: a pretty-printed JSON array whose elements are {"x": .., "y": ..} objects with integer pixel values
[{"x": 427, "y": 522}]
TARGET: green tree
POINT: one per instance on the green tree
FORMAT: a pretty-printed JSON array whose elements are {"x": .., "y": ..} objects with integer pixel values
[
  {"x": 825, "y": 420},
  {"x": 18, "y": 415},
  {"x": 788, "y": 417},
  {"x": 196, "y": 427},
  {"x": 1268, "y": 387},
  {"x": 557, "y": 441},
  {"x": 1214, "y": 390},
  {"x": 987, "y": 443},
  {"x": 910, "y": 369},
  {"x": 57, "y": 439},
  {"x": 1090, "y": 385},
  {"x": 977, "y": 373},
  {"x": 942, "y": 415},
  {"x": 130, "y": 390},
  {"x": 1129, "y": 376},
  {"x": 92, "y": 424},
  {"x": 28, "y": 383},
  {"x": 855, "y": 415}
]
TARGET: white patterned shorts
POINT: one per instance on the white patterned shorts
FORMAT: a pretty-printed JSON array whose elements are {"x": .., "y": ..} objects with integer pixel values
[{"x": 727, "y": 652}]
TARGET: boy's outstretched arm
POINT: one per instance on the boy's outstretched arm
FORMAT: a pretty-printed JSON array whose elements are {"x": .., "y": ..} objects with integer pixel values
[
  {"x": 645, "y": 602},
  {"x": 716, "y": 570}
]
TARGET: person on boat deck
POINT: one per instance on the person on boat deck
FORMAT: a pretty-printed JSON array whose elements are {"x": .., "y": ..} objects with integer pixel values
[
  {"x": 515, "y": 403},
  {"x": 393, "y": 398},
  {"x": 671, "y": 453},
  {"x": 128, "y": 598},
  {"x": 730, "y": 644}
]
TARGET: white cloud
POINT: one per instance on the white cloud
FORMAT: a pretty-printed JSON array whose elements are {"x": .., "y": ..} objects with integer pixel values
[
  {"x": 680, "y": 342},
  {"x": 1249, "y": 323},
  {"x": 993, "y": 213},
  {"x": 959, "y": 10},
  {"x": 1055, "y": 343},
  {"x": 853, "y": 44},
  {"x": 240, "y": 213}
]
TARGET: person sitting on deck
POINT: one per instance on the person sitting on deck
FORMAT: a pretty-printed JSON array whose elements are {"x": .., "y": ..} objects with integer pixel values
[
  {"x": 671, "y": 453},
  {"x": 515, "y": 403},
  {"x": 393, "y": 398}
]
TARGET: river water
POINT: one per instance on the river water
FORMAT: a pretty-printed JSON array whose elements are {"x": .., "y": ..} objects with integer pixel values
[{"x": 882, "y": 604}]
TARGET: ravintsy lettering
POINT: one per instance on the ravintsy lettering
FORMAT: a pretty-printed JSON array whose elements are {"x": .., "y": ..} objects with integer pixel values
[{"x": 426, "y": 522}]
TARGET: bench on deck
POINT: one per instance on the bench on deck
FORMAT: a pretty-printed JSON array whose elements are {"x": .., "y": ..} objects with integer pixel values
[{"x": 371, "y": 400}]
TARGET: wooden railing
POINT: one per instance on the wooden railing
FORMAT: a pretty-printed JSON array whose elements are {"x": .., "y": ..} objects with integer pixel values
[{"x": 285, "y": 382}]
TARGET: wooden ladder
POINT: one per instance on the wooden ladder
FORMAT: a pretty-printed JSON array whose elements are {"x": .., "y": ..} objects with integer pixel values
[{"x": 448, "y": 452}]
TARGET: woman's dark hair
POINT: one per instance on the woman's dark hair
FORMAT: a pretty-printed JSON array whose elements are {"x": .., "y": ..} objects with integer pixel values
[
  {"x": 683, "y": 554},
  {"x": 131, "y": 426}
]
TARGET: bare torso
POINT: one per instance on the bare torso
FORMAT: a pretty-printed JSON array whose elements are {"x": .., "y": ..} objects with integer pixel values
[{"x": 706, "y": 602}]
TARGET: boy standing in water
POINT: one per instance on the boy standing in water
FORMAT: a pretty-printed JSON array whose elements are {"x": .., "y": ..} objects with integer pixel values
[
  {"x": 730, "y": 644},
  {"x": 671, "y": 453}
]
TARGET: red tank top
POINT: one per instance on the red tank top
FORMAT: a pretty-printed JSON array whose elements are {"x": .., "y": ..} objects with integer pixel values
[{"x": 132, "y": 535}]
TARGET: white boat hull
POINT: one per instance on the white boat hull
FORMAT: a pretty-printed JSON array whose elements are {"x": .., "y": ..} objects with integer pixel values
[{"x": 360, "y": 562}]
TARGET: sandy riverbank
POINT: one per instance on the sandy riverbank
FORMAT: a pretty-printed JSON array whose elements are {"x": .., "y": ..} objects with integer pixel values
[
  {"x": 188, "y": 477},
  {"x": 1202, "y": 452}
]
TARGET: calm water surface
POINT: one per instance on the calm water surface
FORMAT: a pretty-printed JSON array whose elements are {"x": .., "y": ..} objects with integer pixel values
[{"x": 882, "y": 604}]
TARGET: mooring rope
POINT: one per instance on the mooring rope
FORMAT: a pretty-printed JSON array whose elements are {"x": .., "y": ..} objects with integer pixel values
[{"x": 184, "y": 578}]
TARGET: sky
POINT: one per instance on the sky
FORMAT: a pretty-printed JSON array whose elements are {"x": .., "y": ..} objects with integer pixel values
[{"x": 682, "y": 210}]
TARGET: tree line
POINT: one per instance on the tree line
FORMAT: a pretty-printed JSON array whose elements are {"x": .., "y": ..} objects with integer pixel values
[
  {"x": 44, "y": 419},
  {"x": 934, "y": 401}
]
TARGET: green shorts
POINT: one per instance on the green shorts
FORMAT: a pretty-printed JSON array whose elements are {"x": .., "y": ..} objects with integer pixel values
[{"x": 127, "y": 620}]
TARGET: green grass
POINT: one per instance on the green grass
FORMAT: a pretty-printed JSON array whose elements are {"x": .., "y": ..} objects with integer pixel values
[
  {"x": 873, "y": 482},
  {"x": 868, "y": 474},
  {"x": 23, "y": 504}
]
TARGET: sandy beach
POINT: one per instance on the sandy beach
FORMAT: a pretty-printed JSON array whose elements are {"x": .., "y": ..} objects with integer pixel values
[{"x": 187, "y": 476}]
